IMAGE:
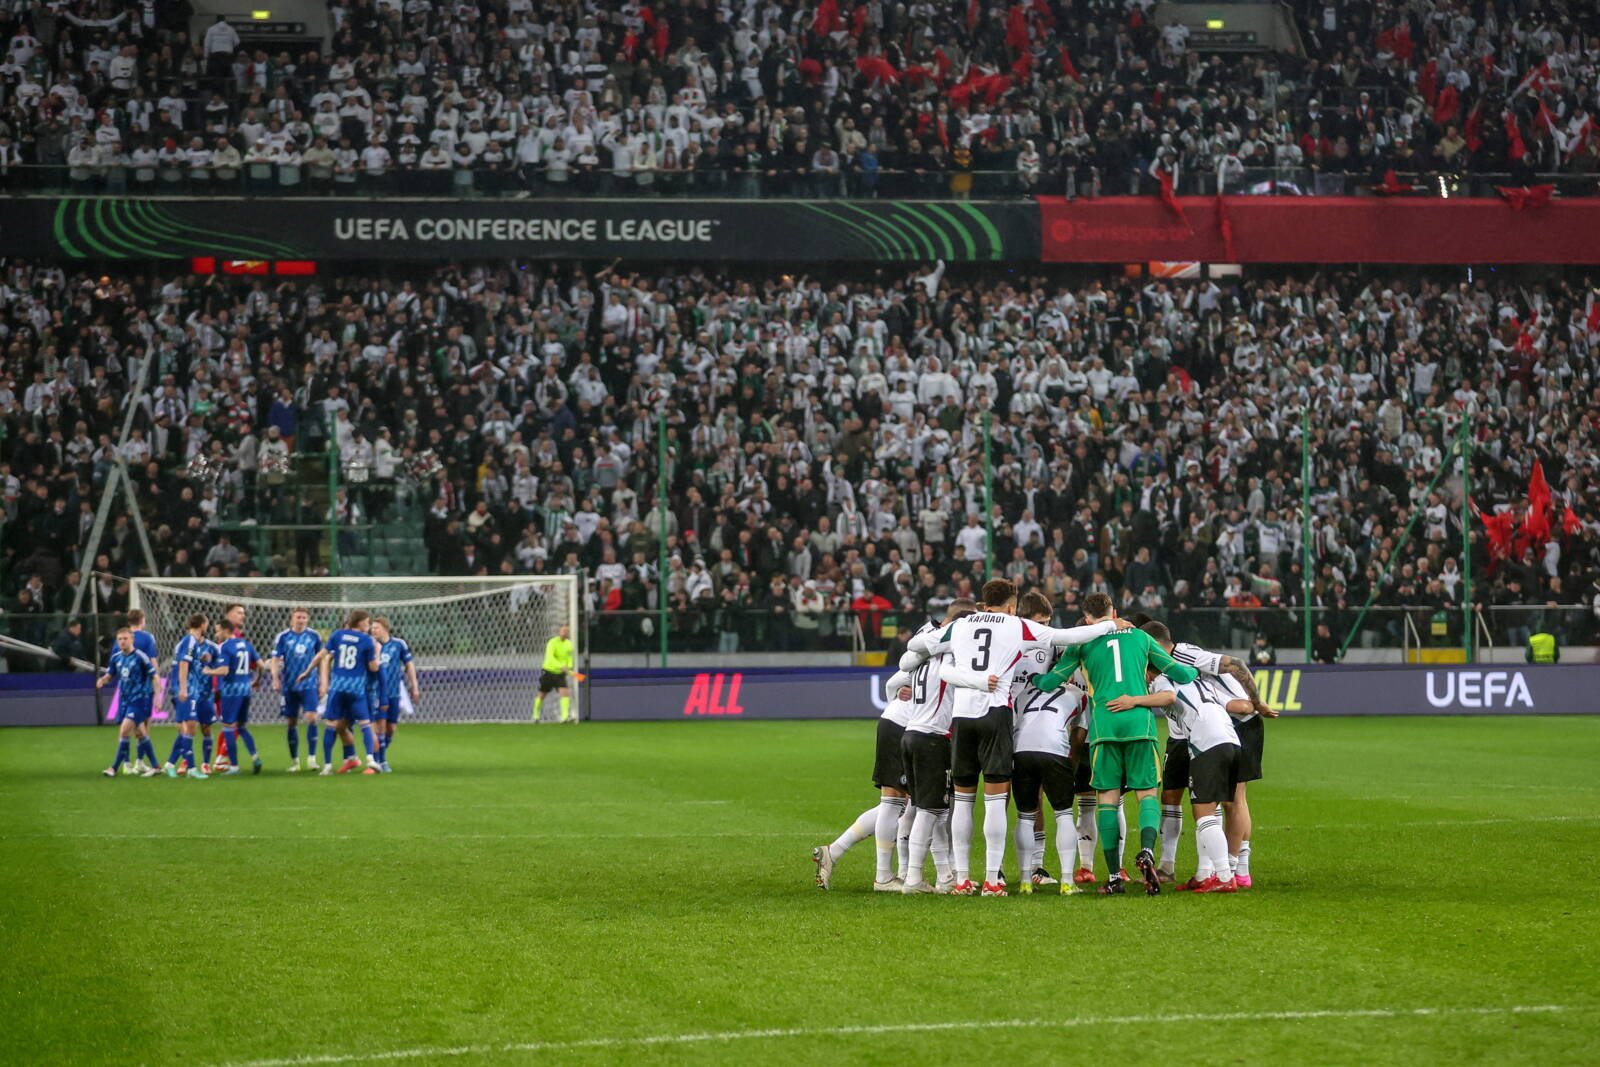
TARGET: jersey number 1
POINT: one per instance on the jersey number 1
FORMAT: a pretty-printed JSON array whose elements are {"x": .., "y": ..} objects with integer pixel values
[{"x": 1116, "y": 658}]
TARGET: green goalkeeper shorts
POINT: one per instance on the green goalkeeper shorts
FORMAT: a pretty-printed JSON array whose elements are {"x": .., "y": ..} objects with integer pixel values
[{"x": 1124, "y": 765}]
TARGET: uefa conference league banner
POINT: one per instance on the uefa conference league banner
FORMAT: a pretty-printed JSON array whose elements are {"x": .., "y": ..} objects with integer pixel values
[
  {"x": 848, "y": 693},
  {"x": 280, "y": 228}
]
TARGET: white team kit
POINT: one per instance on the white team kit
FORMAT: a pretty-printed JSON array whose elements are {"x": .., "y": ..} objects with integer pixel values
[{"x": 955, "y": 729}]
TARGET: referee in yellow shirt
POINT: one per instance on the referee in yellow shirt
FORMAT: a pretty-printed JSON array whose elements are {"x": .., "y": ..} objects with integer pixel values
[{"x": 559, "y": 661}]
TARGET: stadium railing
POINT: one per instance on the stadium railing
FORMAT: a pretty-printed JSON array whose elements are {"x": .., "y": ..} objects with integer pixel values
[{"x": 267, "y": 180}]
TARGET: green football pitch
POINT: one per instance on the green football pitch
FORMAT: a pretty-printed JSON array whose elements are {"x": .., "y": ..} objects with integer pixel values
[{"x": 1425, "y": 893}]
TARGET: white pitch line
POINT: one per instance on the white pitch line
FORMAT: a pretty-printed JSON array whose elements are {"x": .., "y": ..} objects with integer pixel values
[
  {"x": 726, "y": 1036},
  {"x": 440, "y": 838}
]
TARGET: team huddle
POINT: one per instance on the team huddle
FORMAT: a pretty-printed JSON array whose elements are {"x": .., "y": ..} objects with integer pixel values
[
  {"x": 1037, "y": 713},
  {"x": 352, "y": 680}
]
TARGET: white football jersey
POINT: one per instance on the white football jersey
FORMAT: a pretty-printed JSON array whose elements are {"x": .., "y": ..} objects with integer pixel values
[
  {"x": 1209, "y": 664},
  {"x": 897, "y": 711},
  {"x": 931, "y": 699},
  {"x": 1043, "y": 720},
  {"x": 1205, "y": 722},
  {"x": 991, "y": 643}
]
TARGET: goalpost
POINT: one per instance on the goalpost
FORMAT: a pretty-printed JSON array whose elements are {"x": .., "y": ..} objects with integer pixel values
[{"x": 478, "y": 642}]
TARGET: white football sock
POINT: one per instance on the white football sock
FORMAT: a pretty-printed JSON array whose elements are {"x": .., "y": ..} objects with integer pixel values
[
  {"x": 1212, "y": 844},
  {"x": 1036, "y": 858},
  {"x": 994, "y": 835},
  {"x": 1088, "y": 832},
  {"x": 902, "y": 834},
  {"x": 1024, "y": 832},
  {"x": 942, "y": 850},
  {"x": 1232, "y": 868},
  {"x": 961, "y": 835},
  {"x": 1122, "y": 827},
  {"x": 886, "y": 828},
  {"x": 858, "y": 832},
  {"x": 923, "y": 831},
  {"x": 1171, "y": 832},
  {"x": 1066, "y": 834},
  {"x": 1244, "y": 858}
]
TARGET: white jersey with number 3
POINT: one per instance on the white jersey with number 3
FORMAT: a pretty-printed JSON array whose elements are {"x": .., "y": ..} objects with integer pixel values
[{"x": 991, "y": 643}]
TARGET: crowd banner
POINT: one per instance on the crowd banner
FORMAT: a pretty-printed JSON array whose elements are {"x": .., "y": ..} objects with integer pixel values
[
  {"x": 281, "y": 229},
  {"x": 1235, "y": 229},
  {"x": 1316, "y": 229},
  {"x": 1314, "y": 690}
]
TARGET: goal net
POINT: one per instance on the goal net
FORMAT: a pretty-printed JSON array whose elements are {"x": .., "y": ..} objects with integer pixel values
[{"x": 478, "y": 642}]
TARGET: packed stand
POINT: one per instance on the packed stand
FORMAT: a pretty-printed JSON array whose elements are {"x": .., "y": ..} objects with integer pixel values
[
  {"x": 825, "y": 99},
  {"x": 826, "y": 463}
]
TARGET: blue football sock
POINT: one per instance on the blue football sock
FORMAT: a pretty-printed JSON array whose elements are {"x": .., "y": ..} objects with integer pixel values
[
  {"x": 177, "y": 749},
  {"x": 230, "y": 744},
  {"x": 249, "y": 742},
  {"x": 147, "y": 751},
  {"x": 367, "y": 739},
  {"x": 188, "y": 751},
  {"x": 328, "y": 736},
  {"x": 311, "y": 740},
  {"x": 294, "y": 741},
  {"x": 205, "y": 746},
  {"x": 384, "y": 740},
  {"x": 350, "y": 750},
  {"x": 122, "y": 754}
]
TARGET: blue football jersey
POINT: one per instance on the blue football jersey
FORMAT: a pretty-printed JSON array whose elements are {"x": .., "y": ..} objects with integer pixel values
[
  {"x": 187, "y": 651},
  {"x": 145, "y": 641},
  {"x": 135, "y": 673},
  {"x": 392, "y": 659},
  {"x": 239, "y": 656},
  {"x": 350, "y": 652},
  {"x": 296, "y": 651},
  {"x": 209, "y": 655}
]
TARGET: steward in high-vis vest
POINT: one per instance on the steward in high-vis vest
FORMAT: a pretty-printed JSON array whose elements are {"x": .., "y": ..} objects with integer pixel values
[{"x": 1542, "y": 648}]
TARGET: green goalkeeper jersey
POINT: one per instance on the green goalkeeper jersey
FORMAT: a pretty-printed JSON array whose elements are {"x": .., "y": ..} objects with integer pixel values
[{"x": 1115, "y": 666}]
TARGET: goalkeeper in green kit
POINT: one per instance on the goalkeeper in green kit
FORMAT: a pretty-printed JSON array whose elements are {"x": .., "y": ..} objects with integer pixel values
[{"x": 1123, "y": 746}]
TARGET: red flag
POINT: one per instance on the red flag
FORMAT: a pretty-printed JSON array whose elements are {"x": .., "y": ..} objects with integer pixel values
[
  {"x": 1538, "y": 520},
  {"x": 1428, "y": 81},
  {"x": 1498, "y": 529},
  {"x": 996, "y": 86},
  {"x": 1473, "y": 134},
  {"x": 877, "y": 69},
  {"x": 1570, "y": 523},
  {"x": 661, "y": 39},
  {"x": 917, "y": 75},
  {"x": 647, "y": 15},
  {"x": 1392, "y": 185},
  {"x": 1446, "y": 106},
  {"x": 810, "y": 70},
  {"x": 826, "y": 20},
  {"x": 858, "y": 21},
  {"x": 972, "y": 15},
  {"x": 1225, "y": 224},
  {"x": 1022, "y": 67},
  {"x": 942, "y": 63},
  {"x": 1403, "y": 48},
  {"x": 1538, "y": 80},
  {"x": 1042, "y": 9},
  {"x": 1525, "y": 196},
  {"x": 1580, "y": 139},
  {"x": 1591, "y": 320},
  {"x": 1549, "y": 119},
  {"x": 1168, "y": 197},
  {"x": 1068, "y": 68},
  {"x": 1515, "y": 149},
  {"x": 1017, "y": 28},
  {"x": 630, "y": 45}
]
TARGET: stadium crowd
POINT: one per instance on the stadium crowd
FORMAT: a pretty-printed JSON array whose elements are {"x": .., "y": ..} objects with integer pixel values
[
  {"x": 814, "y": 99},
  {"x": 826, "y": 454}
]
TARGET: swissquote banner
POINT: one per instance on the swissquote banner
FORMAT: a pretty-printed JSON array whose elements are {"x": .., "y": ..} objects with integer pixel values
[
  {"x": 847, "y": 693},
  {"x": 635, "y": 229}
]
